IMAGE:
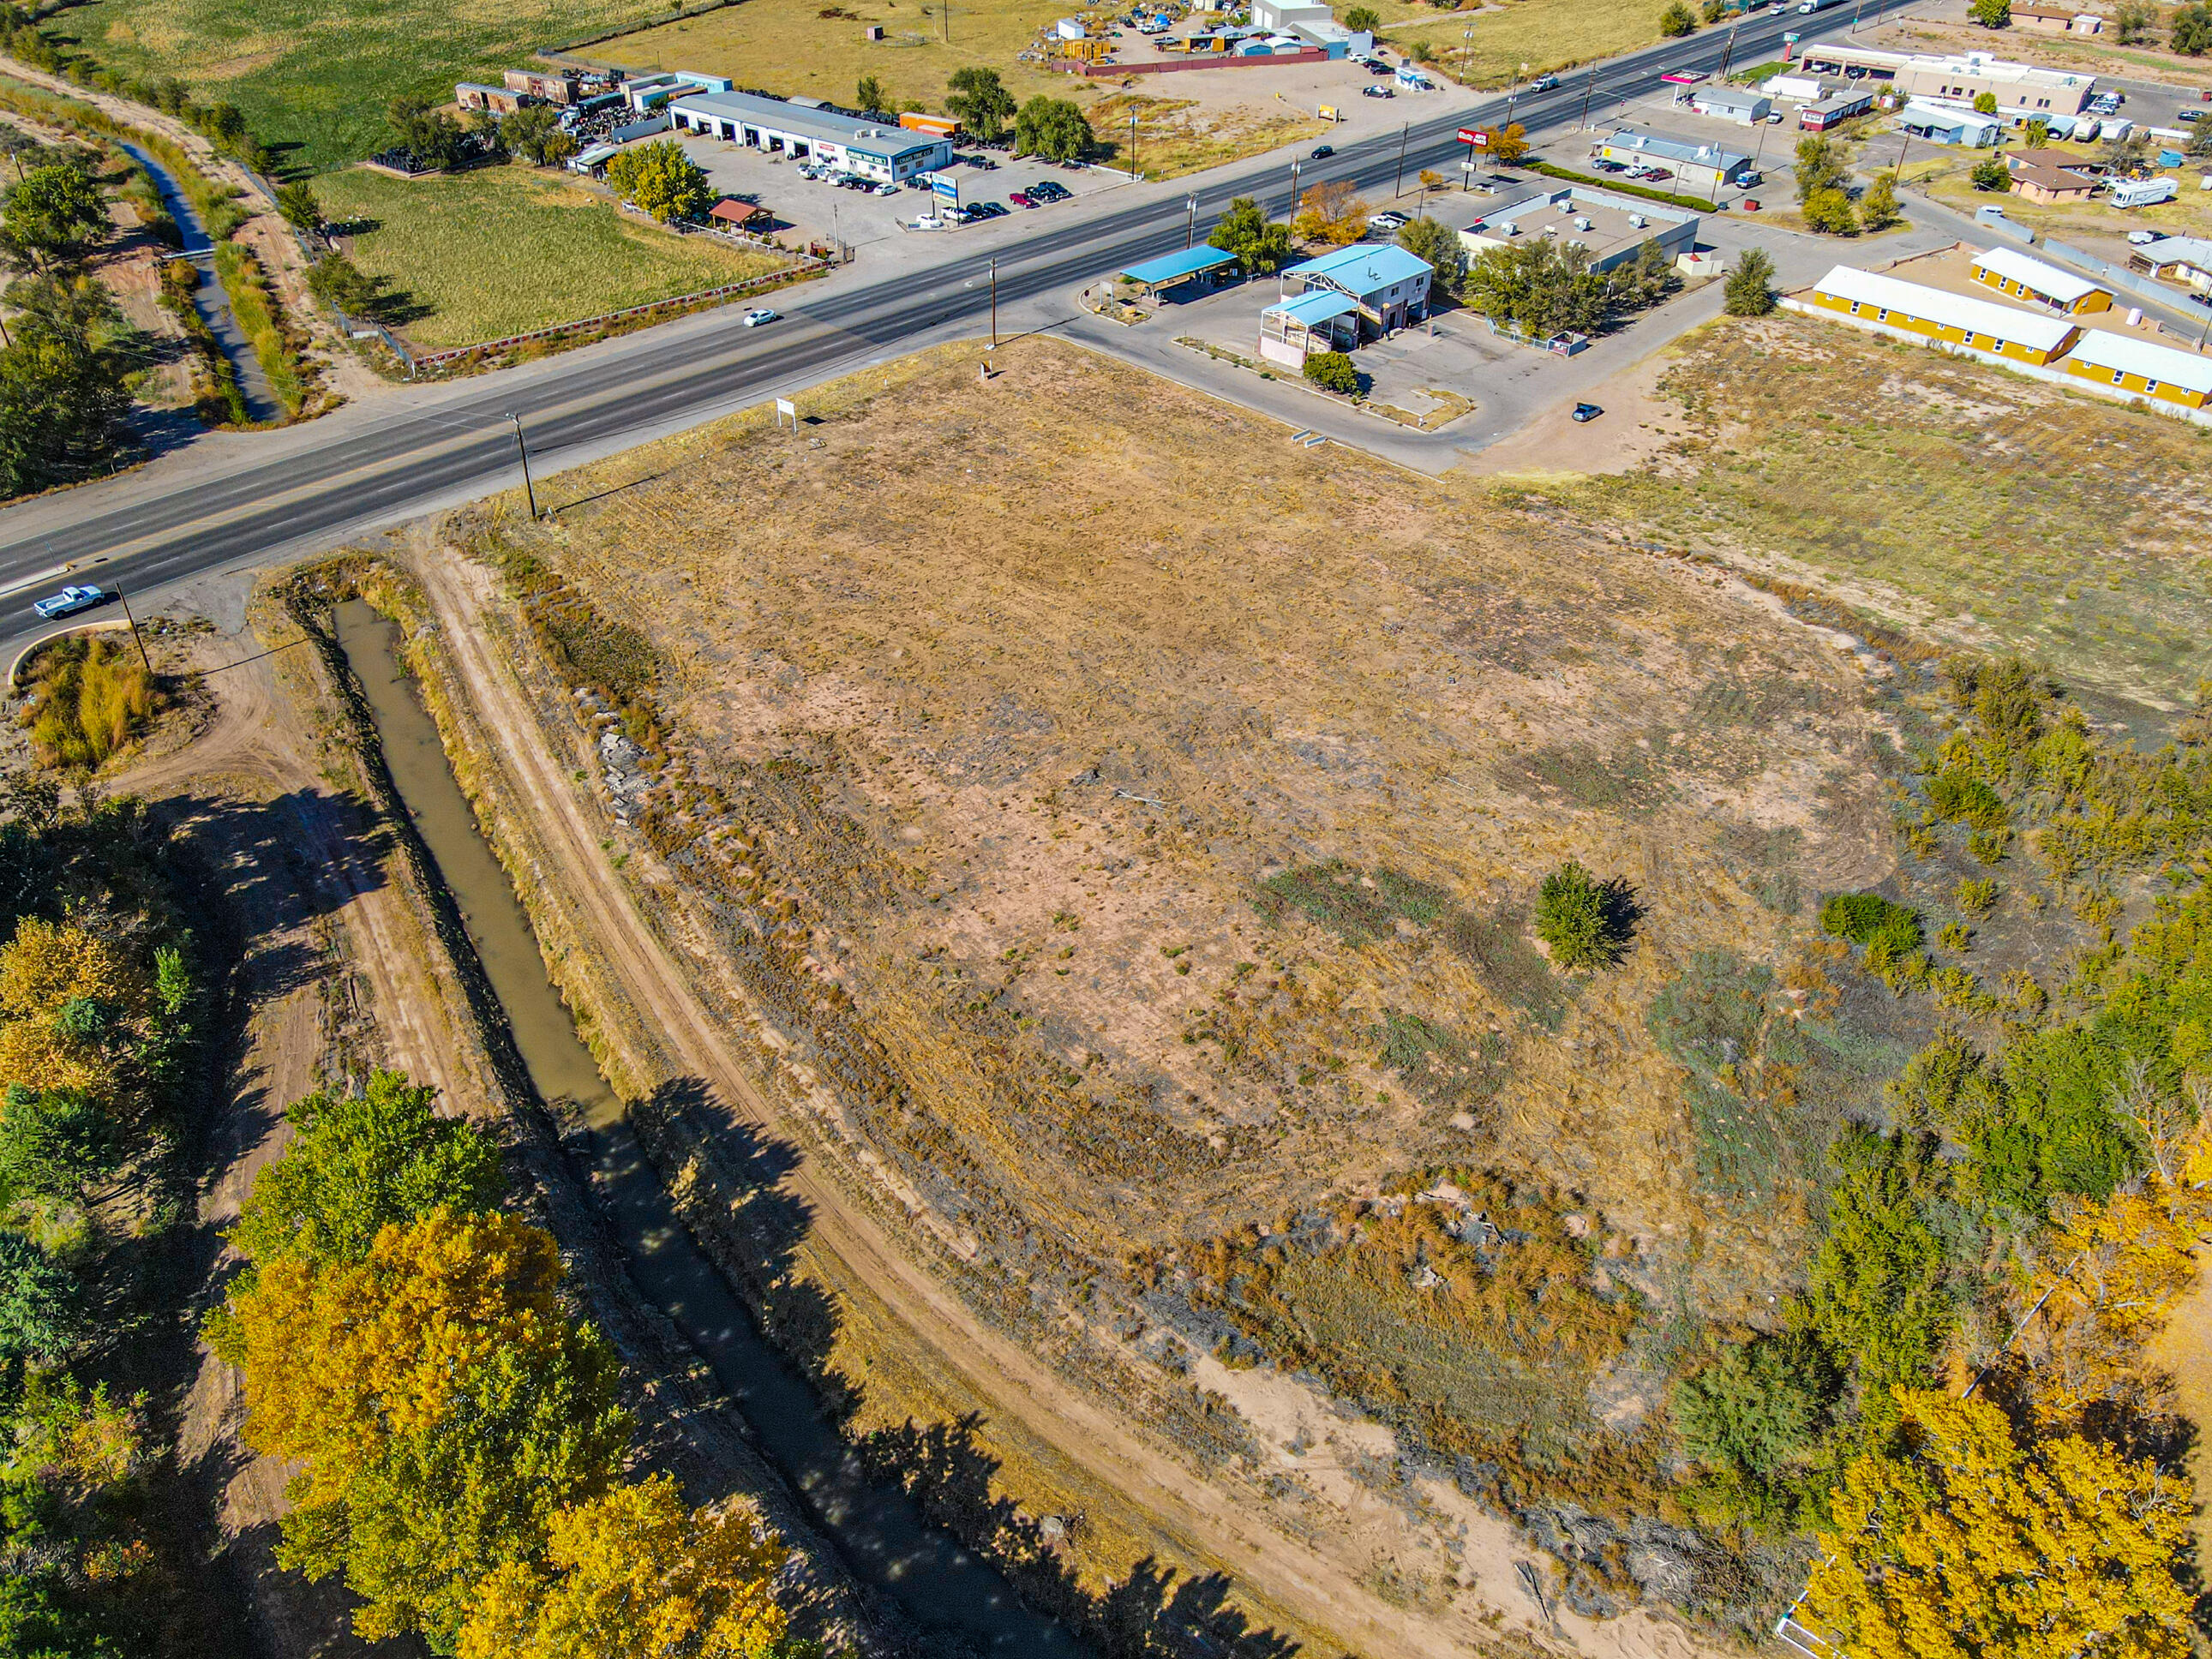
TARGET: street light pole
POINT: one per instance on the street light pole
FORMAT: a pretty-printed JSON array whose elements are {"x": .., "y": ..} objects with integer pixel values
[
  {"x": 1190, "y": 223},
  {"x": 529, "y": 489},
  {"x": 1292, "y": 211},
  {"x": 1398, "y": 185},
  {"x": 1466, "y": 45}
]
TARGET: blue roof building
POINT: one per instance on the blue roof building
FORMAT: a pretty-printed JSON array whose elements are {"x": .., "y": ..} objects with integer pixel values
[
  {"x": 1178, "y": 266},
  {"x": 1389, "y": 286}
]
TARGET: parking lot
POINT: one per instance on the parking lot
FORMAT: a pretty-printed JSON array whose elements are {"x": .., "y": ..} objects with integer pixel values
[{"x": 814, "y": 209}]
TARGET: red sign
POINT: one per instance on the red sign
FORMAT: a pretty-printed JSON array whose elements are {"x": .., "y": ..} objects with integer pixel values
[{"x": 1474, "y": 135}]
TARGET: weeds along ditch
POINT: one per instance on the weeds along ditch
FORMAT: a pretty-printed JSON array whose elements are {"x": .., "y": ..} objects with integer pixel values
[{"x": 876, "y": 1530}]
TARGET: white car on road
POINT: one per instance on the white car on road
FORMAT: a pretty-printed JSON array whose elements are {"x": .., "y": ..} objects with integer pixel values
[{"x": 755, "y": 318}]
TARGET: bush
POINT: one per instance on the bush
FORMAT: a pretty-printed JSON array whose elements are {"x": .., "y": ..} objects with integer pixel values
[
  {"x": 1829, "y": 212},
  {"x": 1363, "y": 18},
  {"x": 1965, "y": 798},
  {"x": 1992, "y": 174},
  {"x": 1585, "y": 922},
  {"x": 2192, "y": 31},
  {"x": 1750, "y": 291},
  {"x": 1991, "y": 15},
  {"x": 92, "y": 697},
  {"x": 1332, "y": 371},
  {"x": 1870, "y": 920},
  {"x": 1756, "y": 1408},
  {"x": 1677, "y": 19}
]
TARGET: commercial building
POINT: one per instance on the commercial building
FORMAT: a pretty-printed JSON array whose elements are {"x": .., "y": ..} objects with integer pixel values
[
  {"x": 1701, "y": 169},
  {"x": 2156, "y": 372},
  {"x": 1950, "y": 319},
  {"x": 1389, "y": 286},
  {"x": 1280, "y": 16},
  {"x": 1745, "y": 107},
  {"x": 1613, "y": 229},
  {"x": 2038, "y": 180},
  {"x": 649, "y": 93},
  {"x": 890, "y": 154},
  {"x": 2025, "y": 277},
  {"x": 1954, "y": 79},
  {"x": 1322, "y": 319},
  {"x": 2184, "y": 259},
  {"x": 1834, "y": 110},
  {"x": 1805, "y": 88},
  {"x": 1940, "y": 124},
  {"x": 2056, "y": 20}
]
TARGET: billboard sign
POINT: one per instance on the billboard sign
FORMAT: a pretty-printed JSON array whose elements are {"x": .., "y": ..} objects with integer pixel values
[
  {"x": 948, "y": 188},
  {"x": 1474, "y": 135}
]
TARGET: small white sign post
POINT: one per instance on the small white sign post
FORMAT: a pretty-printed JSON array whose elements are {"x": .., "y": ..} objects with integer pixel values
[{"x": 785, "y": 408}]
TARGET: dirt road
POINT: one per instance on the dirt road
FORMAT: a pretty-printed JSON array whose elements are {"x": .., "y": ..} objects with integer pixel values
[{"x": 1321, "y": 1585}]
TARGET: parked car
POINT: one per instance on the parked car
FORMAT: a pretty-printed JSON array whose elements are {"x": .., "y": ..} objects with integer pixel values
[
  {"x": 2190, "y": 114},
  {"x": 755, "y": 319},
  {"x": 1322, "y": 153},
  {"x": 1377, "y": 92},
  {"x": 1585, "y": 413},
  {"x": 2142, "y": 238},
  {"x": 70, "y": 601},
  {"x": 986, "y": 211},
  {"x": 1374, "y": 68},
  {"x": 1047, "y": 189},
  {"x": 1543, "y": 84},
  {"x": 885, "y": 190},
  {"x": 1603, "y": 166},
  {"x": 1391, "y": 222},
  {"x": 1021, "y": 200}
]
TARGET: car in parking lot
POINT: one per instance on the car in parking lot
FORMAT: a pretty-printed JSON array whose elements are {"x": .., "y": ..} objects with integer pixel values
[
  {"x": 1390, "y": 223},
  {"x": 1021, "y": 200},
  {"x": 2190, "y": 114},
  {"x": 1604, "y": 165},
  {"x": 70, "y": 601},
  {"x": 885, "y": 190},
  {"x": 1585, "y": 413},
  {"x": 983, "y": 211},
  {"x": 1377, "y": 92},
  {"x": 1047, "y": 189},
  {"x": 756, "y": 318}
]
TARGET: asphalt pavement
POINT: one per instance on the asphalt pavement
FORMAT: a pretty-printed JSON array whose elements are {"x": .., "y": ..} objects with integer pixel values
[{"x": 391, "y": 460}]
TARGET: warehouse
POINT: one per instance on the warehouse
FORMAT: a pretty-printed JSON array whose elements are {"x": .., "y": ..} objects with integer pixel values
[
  {"x": 2151, "y": 371},
  {"x": 1745, "y": 108},
  {"x": 890, "y": 155},
  {"x": 1950, "y": 319},
  {"x": 1611, "y": 229},
  {"x": 2010, "y": 271},
  {"x": 1701, "y": 169}
]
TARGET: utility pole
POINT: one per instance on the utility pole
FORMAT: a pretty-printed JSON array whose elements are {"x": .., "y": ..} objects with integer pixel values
[
  {"x": 1582, "y": 121},
  {"x": 1856, "y": 7},
  {"x": 144, "y": 660},
  {"x": 1133, "y": 172},
  {"x": 1727, "y": 53},
  {"x": 1292, "y": 211},
  {"x": 1466, "y": 45},
  {"x": 529, "y": 489},
  {"x": 995, "y": 303},
  {"x": 1190, "y": 221},
  {"x": 1398, "y": 185}
]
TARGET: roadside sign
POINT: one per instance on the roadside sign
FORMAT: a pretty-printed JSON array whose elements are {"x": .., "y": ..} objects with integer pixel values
[
  {"x": 948, "y": 188},
  {"x": 1328, "y": 112},
  {"x": 1474, "y": 135},
  {"x": 786, "y": 410}
]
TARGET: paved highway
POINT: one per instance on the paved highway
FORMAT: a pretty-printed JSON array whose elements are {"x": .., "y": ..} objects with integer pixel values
[{"x": 318, "y": 484}]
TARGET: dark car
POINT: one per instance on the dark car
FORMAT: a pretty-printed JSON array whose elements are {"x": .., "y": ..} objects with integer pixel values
[
  {"x": 986, "y": 211},
  {"x": 1046, "y": 190},
  {"x": 1610, "y": 167},
  {"x": 1321, "y": 153},
  {"x": 1584, "y": 412}
]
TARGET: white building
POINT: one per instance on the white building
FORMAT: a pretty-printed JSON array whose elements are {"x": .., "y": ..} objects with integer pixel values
[
  {"x": 1737, "y": 103},
  {"x": 1612, "y": 229},
  {"x": 1280, "y": 16},
  {"x": 890, "y": 154},
  {"x": 1959, "y": 78}
]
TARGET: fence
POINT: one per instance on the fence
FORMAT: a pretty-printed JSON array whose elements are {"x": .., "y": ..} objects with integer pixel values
[
  {"x": 1203, "y": 61},
  {"x": 676, "y": 15}
]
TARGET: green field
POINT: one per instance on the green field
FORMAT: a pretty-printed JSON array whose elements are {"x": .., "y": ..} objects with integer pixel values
[
  {"x": 314, "y": 78},
  {"x": 505, "y": 250}
]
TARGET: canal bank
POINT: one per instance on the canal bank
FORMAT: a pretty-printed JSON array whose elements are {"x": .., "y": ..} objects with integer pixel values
[{"x": 954, "y": 1598}]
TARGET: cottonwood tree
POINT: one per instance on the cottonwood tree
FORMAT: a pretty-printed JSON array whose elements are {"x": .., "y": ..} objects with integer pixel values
[
  {"x": 56, "y": 214},
  {"x": 534, "y": 132},
  {"x": 1878, "y": 206},
  {"x": 1262, "y": 248},
  {"x": 1820, "y": 167},
  {"x": 1438, "y": 245},
  {"x": 980, "y": 102},
  {"x": 664, "y": 181},
  {"x": 1538, "y": 288},
  {"x": 1331, "y": 212},
  {"x": 1053, "y": 129}
]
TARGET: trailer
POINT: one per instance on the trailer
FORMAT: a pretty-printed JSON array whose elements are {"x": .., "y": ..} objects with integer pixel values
[{"x": 1834, "y": 112}]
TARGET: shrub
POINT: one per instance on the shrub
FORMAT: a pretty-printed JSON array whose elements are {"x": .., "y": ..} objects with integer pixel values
[
  {"x": 1991, "y": 15},
  {"x": 1585, "y": 922},
  {"x": 1332, "y": 371},
  {"x": 1757, "y": 1407},
  {"x": 1966, "y": 798},
  {"x": 1976, "y": 895},
  {"x": 1363, "y": 18},
  {"x": 2192, "y": 31},
  {"x": 1992, "y": 175},
  {"x": 1750, "y": 291},
  {"x": 91, "y": 699},
  {"x": 1870, "y": 920},
  {"x": 1677, "y": 19}
]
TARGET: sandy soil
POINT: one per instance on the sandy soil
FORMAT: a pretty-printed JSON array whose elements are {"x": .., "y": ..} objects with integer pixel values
[{"x": 1637, "y": 428}]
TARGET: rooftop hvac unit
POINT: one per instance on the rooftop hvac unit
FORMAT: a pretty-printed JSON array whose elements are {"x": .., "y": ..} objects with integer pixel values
[
  {"x": 1507, "y": 228},
  {"x": 1582, "y": 224},
  {"x": 1636, "y": 221}
]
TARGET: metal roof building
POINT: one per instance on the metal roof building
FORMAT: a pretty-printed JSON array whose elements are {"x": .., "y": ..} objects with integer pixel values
[
  {"x": 1703, "y": 168},
  {"x": 1737, "y": 103},
  {"x": 869, "y": 147},
  {"x": 1391, "y": 284},
  {"x": 1949, "y": 319},
  {"x": 1172, "y": 267},
  {"x": 2010, "y": 271},
  {"x": 2138, "y": 365}
]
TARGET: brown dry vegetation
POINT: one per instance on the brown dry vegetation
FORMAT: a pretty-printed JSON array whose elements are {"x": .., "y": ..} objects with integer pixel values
[{"x": 1134, "y": 843}]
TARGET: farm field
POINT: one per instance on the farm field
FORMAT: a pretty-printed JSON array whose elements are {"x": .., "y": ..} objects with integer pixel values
[
  {"x": 1543, "y": 34},
  {"x": 313, "y": 80},
  {"x": 1975, "y": 517},
  {"x": 501, "y": 251}
]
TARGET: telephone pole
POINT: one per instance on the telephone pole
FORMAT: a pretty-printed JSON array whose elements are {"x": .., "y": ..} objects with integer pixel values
[
  {"x": 1398, "y": 185},
  {"x": 1190, "y": 222},
  {"x": 529, "y": 489},
  {"x": 144, "y": 660},
  {"x": 995, "y": 303},
  {"x": 1582, "y": 121}
]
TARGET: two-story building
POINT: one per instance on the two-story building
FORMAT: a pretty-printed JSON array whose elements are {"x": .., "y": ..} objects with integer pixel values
[{"x": 1389, "y": 286}]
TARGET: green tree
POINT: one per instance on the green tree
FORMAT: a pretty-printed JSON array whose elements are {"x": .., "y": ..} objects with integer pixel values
[
  {"x": 1985, "y": 103},
  {"x": 1758, "y": 1407},
  {"x": 56, "y": 213},
  {"x": 1829, "y": 212},
  {"x": 2036, "y": 133},
  {"x": 1713, "y": 11},
  {"x": 1053, "y": 129},
  {"x": 431, "y": 136},
  {"x": 1677, "y": 19},
  {"x": 337, "y": 281},
  {"x": 54, "y": 1145},
  {"x": 977, "y": 98},
  {"x": 1538, "y": 286},
  {"x": 1645, "y": 280},
  {"x": 1585, "y": 922},
  {"x": 1750, "y": 290},
  {"x": 1878, "y": 207},
  {"x": 1876, "y": 1294},
  {"x": 1991, "y": 13},
  {"x": 2191, "y": 31},
  {"x": 534, "y": 133},
  {"x": 2198, "y": 144},
  {"x": 41, "y": 1303},
  {"x": 871, "y": 98},
  {"x": 1363, "y": 19},
  {"x": 2135, "y": 21},
  {"x": 1332, "y": 371},
  {"x": 296, "y": 202},
  {"x": 1262, "y": 248},
  {"x": 62, "y": 405},
  {"x": 1438, "y": 244},
  {"x": 1992, "y": 174},
  {"x": 1820, "y": 167},
  {"x": 662, "y": 180},
  {"x": 359, "y": 1163}
]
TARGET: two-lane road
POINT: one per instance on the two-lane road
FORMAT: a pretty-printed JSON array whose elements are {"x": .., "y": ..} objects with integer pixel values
[{"x": 379, "y": 464}]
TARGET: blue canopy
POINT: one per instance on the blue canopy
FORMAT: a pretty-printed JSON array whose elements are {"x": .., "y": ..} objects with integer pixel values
[{"x": 1174, "y": 267}]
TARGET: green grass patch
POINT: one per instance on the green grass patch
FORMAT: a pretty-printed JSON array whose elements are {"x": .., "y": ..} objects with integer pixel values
[
  {"x": 244, "y": 281},
  {"x": 501, "y": 251},
  {"x": 314, "y": 79},
  {"x": 1696, "y": 204}
]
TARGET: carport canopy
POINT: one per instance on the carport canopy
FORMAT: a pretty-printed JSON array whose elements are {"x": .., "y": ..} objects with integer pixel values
[
  {"x": 1319, "y": 306},
  {"x": 1171, "y": 268}
]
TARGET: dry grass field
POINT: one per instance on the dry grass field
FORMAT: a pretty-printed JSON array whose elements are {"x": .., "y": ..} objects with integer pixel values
[
  {"x": 1943, "y": 496},
  {"x": 1137, "y": 830},
  {"x": 1489, "y": 47}
]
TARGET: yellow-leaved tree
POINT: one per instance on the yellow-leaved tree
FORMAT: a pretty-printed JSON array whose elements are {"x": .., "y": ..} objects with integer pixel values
[
  {"x": 633, "y": 1574},
  {"x": 1968, "y": 1545},
  {"x": 74, "y": 1009}
]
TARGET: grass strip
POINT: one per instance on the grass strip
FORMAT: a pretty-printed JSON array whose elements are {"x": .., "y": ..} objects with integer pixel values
[{"x": 247, "y": 284}]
